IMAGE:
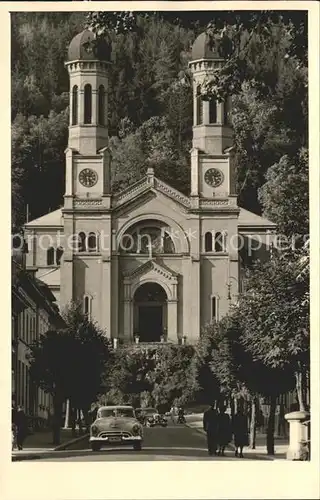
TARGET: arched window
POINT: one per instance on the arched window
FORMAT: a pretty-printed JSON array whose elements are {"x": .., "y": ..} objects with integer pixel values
[
  {"x": 214, "y": 308},
  {"x": 212, "y": 111},
  {"x": 50, "y": 256},
  {"x": 82, "y": 242},
  {"x": 199, "y": 106},
  {"x": 59, "y": 255},
  {"x": 75, "y": 105},
  {"x": 128, "y": 243},
  {"x": 208, "y": 242},
  {"x": 87, "y": 104},
  {"x": 168, "y": 246},
  {"x": 92, "y": 242},
  {"x": 87, "y": 306},
  {"x": 101, "y": 106},
  {"x": 218, "y": 242}
]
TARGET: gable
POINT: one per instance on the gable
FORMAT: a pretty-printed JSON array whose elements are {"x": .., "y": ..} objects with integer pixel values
[
  {"x": 250, "y": 220},
  {"x": 53, "y": 219},
  {"x": 147, "y": 184},
  {"x": 151, "y": 266}
]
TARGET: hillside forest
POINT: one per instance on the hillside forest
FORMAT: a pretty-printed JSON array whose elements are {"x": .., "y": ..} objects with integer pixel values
[{"x": 150, "y": 104}]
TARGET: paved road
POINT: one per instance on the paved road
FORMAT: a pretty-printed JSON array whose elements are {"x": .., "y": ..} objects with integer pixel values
[{"x": 175, "y": 442}]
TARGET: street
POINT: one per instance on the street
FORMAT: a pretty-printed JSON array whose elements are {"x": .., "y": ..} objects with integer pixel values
[{"x": 175, "y": 442}]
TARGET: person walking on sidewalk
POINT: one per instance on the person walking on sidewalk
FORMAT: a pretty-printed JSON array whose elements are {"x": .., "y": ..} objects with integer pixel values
[
  {"x": 22, "y": 427},
  {"x": 240, "y": 432},
  {"x": 224, "y": 430},
  {"x": 210, "y": 425}
]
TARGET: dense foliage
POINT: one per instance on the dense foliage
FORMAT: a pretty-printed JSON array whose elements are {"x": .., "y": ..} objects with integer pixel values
[
  {"x": 266, "y": 339},
  {"x": 150, "y": 106},
  {"x": 151, "y": 376},
  {"x": 69, "y": 363}
]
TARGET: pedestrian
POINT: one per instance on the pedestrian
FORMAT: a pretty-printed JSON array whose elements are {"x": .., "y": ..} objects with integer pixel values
[
  {"x": 14, "y": 436},
  {"x": 172, "y": 414},
  {"x": 22, "y": 427},
  {"x": 224, "y": 430},
  {"x": 240, "y": 431},
  {"x": 210, "y": 425}
]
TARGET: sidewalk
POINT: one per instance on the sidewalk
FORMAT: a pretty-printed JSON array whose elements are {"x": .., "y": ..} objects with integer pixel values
[
  {"x": 194, "y": 421},
  {"x": 41, "y": 443}
]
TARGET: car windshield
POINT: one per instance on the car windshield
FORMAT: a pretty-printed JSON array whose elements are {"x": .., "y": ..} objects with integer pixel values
[{"x": 115, "y": 412}]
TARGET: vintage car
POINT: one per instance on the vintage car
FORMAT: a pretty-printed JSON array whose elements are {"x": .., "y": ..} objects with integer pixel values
[
  {"x": 116, "y": 425},
  {"x": 147, "y": 416}
]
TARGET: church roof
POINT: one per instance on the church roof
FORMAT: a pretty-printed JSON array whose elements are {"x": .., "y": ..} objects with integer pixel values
[
  {"x": 203, "y": 48},
  {"x": 247, "y": 218},
  {"x": 52, "y": 219},
  {"x": 86, "y": 47}
]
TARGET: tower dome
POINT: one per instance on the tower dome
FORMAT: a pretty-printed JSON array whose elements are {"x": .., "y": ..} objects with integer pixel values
[
  {"x": 86, "y": 47},
  {"x": 204, "y": 49}
]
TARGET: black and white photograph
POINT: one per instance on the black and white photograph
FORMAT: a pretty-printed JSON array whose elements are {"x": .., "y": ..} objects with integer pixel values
[{"x": 160, "y": 234}]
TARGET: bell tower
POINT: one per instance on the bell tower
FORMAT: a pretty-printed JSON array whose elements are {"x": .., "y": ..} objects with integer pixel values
[
  {"x": 211, "y": 170},
  {"x": 88, "y": 72},
  {"x": 87, "y": 155}
]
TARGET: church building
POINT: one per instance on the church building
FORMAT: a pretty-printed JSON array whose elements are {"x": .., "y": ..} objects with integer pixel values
[{"x": 148, "y": 262}]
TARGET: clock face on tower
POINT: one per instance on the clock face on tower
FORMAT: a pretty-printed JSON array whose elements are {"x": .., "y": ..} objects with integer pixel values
[
  {"x": 213, "y": 177},
  {"x": 88, "y": 177}
]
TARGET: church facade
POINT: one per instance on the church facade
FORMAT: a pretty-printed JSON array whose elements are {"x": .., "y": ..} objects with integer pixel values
[{"x": 147, "y": 262}]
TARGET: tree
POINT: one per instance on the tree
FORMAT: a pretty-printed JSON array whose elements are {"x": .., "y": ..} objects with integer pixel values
[
  {"x": 130, "y": 375},
  {"x": 68, "y": 363},
  {"x": 284, "y": 196},
  {"x": 274, "y": 318},
  {"x": 173, "y": 375},
  {"x": 38, "y": 145}
]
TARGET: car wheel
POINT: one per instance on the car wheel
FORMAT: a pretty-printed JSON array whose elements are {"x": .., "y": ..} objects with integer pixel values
[
  {"x": 95, "y": 446},
  {"x": 137, "y": 446}
]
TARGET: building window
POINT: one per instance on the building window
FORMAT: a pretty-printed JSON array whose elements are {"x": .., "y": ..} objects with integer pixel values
[
  {"x": 101, "y": 106},
  {"x": 82, "y": 242},
  {"x": 87, "y": 306},
  {"x": 59, "y": 255},
  {"x": 208, "y": 242},
  {"x": 219, "y": 242},
  {"x": 214, "y": 308},
  {"x": 87, "y": 104},
  {"x": 92, "y": 242},
  {"x": 168, "y": 246},
  {"x": 50, "y": 256},
  {"x": 212, "y": 111},
  {"x": 74, "y": 105},
  {"x": 199, "y": 106}
]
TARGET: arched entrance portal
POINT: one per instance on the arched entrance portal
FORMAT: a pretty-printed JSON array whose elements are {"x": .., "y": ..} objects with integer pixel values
[{"x": 150, "y": 312}]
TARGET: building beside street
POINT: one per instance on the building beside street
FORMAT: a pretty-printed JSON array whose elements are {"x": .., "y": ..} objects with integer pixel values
[
  {"x": 33, "y": 313},
  {"x": 147, "y": 262}
]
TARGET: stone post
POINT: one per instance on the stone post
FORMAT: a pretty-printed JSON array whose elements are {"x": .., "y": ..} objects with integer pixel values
[{"x": 298, "y": 434}]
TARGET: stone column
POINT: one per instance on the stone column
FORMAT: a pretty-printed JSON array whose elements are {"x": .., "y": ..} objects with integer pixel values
[
  {"x": 81, "y": 104},
  {"x": 298, "y": 434},
  {"x": 106, "y": 296},
  {"x": 195, "y": 105},
  {"x": 115, "y": 296},
  {"x": 94, "y": 104},
  {"x": 220, "y": 112},
  {"x": 206, "y": 114},
  {"x": 172, "y": 306},
  {"x": 127, "y": 313},
  {"x": 66, "y": 273}
]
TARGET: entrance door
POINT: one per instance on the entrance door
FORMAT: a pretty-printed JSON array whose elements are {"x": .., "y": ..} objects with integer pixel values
[{"x": 150, "y": 323}]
